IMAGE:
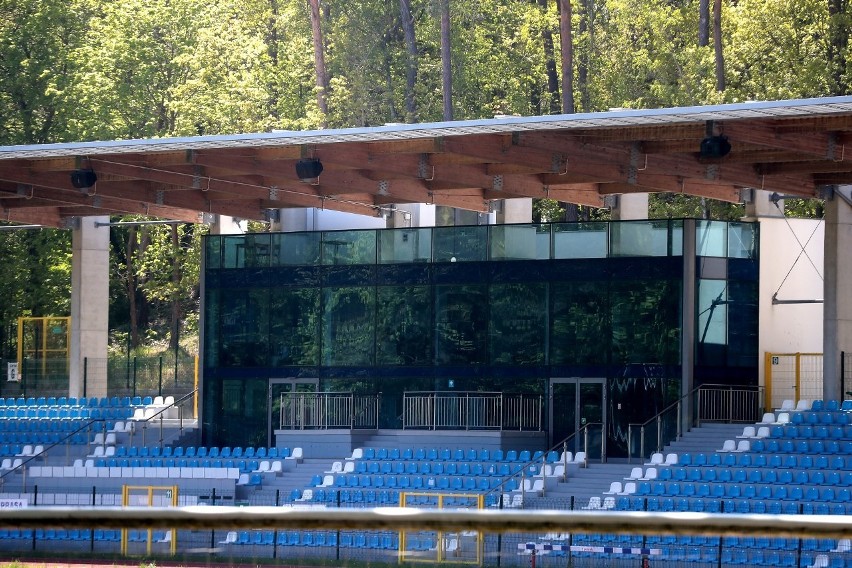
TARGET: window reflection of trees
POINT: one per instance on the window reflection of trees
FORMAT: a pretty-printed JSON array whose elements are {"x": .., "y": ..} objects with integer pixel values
[{"x": 348, "y": 326}]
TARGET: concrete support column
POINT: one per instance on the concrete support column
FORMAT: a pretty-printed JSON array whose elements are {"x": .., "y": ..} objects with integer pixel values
[
  {"x": 89, "y": 307},
  {"x": 837, "y": 319},
  {"x": 687, "y": 340},
  {"x": 225, "y": 225},
  {"x": 760, "y": 206},
  {"x": 631, "y": 206},
  {"x": 515, "y": 211}
]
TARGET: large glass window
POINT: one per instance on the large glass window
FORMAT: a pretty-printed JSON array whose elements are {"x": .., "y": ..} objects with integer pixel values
[
  {"x": 348, "y": 325},
  {"x": 460, "y": 244},
  {"x": 520, "y": 242},
  {"x": 711, "y": 238},
  {"x": 233, "y": 252},
  {"x": 404, "y": 325},
  {"x": 579, "y": 327},
  {"x": 405, "y": 245},
  {"x": 645, "y": 321},
  {"x": 257, "y": 250},
  {"x": 639, "y": 238},
  {"x": 294, "y": 326},
  {"x": 295, "y": 249},
  {"x": 460, "y": 324},
  {"x": 742, "y": 239},
  {"x": 580, "y": 240},
  {"x": 244, "y": 328},
  {"x": 214, "y": 253},
  {"x": 518, "y": 323},
  {"x": 349, "y": 247},
  {"x": 712, "y": 321}
]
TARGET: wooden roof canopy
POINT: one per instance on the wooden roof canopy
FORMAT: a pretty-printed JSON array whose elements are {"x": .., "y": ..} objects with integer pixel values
[{"x": 790, "y": 147}]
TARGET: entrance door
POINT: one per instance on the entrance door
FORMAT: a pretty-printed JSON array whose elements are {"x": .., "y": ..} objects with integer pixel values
[
  {"x": 286, "y": 411},
  {"x": 578, "y": 412}
]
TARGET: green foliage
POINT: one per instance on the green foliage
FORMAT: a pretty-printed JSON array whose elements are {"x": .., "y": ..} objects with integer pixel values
[{"x": 98, "y": 69}]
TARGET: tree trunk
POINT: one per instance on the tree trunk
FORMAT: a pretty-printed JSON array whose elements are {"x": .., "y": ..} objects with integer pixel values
[
  {"x": 567, "y": 43},
  {"x": 319, "y": 59},
  {"x": 550, "y": 64},
  {"x": 717, "y": 44},
  {"x": 838, "y": 42},
  {"x": 446, "y": 53},
  {"x": 131, "y": 287},
  {"x": 175, "y": 311},
  {"x": 586, "y": 26},
  {"x": 411, "y": 61},
  {"x": 272, "y": 51},
  {"x": 703, "y": 23}
]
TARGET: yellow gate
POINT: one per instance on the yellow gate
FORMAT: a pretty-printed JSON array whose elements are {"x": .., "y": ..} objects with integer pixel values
[
  {"x": 439, "y": 546},
  {"x": 149, "y": 496},
  {"x": 792, "y": 376}
]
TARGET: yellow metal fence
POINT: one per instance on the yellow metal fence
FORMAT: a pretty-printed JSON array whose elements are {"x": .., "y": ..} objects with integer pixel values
[{"x": 792, "y": 376}]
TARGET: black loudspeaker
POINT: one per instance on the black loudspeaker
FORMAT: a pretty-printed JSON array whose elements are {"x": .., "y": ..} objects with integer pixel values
[
  {"x": 715, "y": 147},
  {"x": 82, "y": 179},
  {"x": 308, "y": 169}
]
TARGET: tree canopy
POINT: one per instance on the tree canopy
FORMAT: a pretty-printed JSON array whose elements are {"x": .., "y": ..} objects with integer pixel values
[{"x": 76, "y": 70}]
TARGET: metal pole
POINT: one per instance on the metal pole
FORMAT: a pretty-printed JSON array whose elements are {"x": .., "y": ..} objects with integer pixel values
[
  {"x": 85, "y": 374},
  {"x": 135, "y": 363},
  {"x": 160, "y": 380}
]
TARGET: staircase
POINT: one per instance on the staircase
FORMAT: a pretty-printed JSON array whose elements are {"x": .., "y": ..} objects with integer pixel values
[{"x": 592, "y": 481}]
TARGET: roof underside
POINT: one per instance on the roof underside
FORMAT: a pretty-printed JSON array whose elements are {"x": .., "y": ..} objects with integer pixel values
[{"x": 791, "y": 147}]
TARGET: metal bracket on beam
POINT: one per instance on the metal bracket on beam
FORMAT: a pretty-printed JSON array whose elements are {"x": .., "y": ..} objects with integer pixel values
[
  {"x": 832, "y": 191},
  {"x": 384, "y": 187},
  {"x": 273, "y": 193},
  {"x": 161, "y": 197},
  {"x": 497, "y": 183},
  {"x": 776, "y": 301}
]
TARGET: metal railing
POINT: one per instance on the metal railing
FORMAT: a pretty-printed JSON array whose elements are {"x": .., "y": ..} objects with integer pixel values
[
  {"x": 328, "y": 410},
  {"x": 705, "y": 403},
  {"x": 472, "y": 411}
]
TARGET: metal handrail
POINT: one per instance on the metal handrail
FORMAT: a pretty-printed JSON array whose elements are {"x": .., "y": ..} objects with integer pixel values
[
  {"x": 521, "y": 473},
  {"x": 678, "y": 405}
]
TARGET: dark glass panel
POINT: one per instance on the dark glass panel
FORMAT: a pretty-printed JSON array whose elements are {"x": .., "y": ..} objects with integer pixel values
[
  {"x": 405, "y": 245},
  {"x": 294, "y": 249},
  {"x": 518, "y": 323},
  {"x": 294, "y": 326},
  {"x": 579, "y": 333},
  {"x": 349, "y": 247},
  {"x": 712, "y": 322},
  {"x": 244, "y": 328},
  {"x": 257, "y": 249},
  {"x": 520, "y": 242},
  {"x": 743, "y": 324},
  {"x": 460, "y": 324},
  {"x": 348, "y": 326},
  {"x": 214, "y": 253},
  {"x": 645, "y": 321},
  {"x": 460, "y": 244},
  {"x": 212, "y": 321},
  {"x": 233, "y": 252},
  {"x": 404, "y": 325}
]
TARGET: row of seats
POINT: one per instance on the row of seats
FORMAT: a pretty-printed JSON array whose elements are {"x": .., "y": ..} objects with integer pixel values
[
  {"x": 744, "y": 475},
  {"x": 711, "y": 505},
  {"x": 42, "y": 425},
  {"x": 804, "y": 404},
  {"x": 228, "y": 452},
  {"x": 772, "y": 460},
  {"x": 403, "y": 482},
  {"x": 389, "y": 497},
  {"x": 67, "y": 413},
  {"x": 788, "y": 446},
  {"x": 380, "y": 541},
  {"x": 243, "y": 466},
  {"x": 459, "y": 454},
  {"x": 91, "y": 402},
  {"x": 135, "y": 472},
  {"x": 802, "y": 431},
  {"x": 732, "y": 491},
  {"x": 805, "y": 418},
  {"x": 502, "y": 469},
  {"x": 11, "y": 443}
]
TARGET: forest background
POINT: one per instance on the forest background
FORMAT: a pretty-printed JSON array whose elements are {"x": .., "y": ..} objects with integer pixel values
[{"x": 78, "y": 70}]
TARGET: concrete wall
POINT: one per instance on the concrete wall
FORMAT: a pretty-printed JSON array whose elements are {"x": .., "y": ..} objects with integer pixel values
[{"x": 790, "y": 328}]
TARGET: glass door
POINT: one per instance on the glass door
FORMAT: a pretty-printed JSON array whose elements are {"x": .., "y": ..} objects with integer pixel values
[
  {"x": 288, "y": 408},
  {"x": 577, "y": 410}
]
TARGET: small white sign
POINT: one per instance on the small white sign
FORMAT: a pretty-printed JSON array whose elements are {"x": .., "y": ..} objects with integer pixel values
[
  {"x": 775, "y": 360},
  {"x": 12, "y": 375},
  {"x": 13, "y": 504}
]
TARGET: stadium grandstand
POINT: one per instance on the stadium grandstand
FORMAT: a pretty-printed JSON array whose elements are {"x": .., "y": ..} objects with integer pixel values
[{"x": 620, "y": 373}]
